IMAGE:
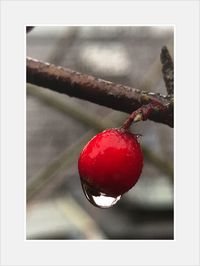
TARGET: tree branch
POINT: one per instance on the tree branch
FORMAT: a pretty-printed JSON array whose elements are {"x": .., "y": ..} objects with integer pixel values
[
  {"x": 167, "y": 70},
  {"x": 106, "y": 93}
]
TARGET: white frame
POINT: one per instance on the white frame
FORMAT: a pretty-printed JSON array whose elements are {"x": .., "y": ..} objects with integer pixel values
[{"x": 184, "y": 250}]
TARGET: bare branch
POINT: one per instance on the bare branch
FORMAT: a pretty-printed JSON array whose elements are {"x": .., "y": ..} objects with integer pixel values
[
  {"x": 167, "y": 70},
  {"x": 106, "y": 93}
]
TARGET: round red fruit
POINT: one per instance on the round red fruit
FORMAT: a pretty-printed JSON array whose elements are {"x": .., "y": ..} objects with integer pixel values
[{"x": 111, "y": 162}]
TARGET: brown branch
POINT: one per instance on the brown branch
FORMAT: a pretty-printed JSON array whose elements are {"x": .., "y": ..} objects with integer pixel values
[
  {"x": 106, "y": 93},
  {"x": 167, "y": 70}
]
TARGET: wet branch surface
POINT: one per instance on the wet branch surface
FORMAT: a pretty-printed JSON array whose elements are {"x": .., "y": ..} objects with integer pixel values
[{"x": 90, "y": 88}]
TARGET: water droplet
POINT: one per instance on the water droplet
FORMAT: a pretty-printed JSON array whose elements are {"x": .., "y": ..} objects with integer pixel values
[{"x": 97, "y": 198}]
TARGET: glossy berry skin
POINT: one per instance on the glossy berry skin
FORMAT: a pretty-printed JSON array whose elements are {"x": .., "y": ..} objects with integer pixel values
[{"x": 111, "y": 162}]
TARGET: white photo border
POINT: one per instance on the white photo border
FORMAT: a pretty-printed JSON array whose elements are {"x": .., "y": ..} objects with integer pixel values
[{"x": 184, "y": 250}]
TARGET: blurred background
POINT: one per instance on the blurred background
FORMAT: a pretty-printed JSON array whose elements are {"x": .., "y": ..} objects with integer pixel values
[{"x": 59, "y": 126}]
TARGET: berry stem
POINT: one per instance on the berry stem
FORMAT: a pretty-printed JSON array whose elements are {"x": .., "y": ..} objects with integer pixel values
[{"x": 143, "y": 113}]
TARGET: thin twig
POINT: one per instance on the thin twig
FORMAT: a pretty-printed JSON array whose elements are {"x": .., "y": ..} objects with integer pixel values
[
  {"x": 143, "y": 113},
  {"x": 167, "y": 70},
  {"x": 153, "y": 75},
  {"x": 106, "y": 93}
]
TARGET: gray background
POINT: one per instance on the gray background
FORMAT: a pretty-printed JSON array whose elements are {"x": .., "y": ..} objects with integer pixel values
[{"x": 58, "y": 208}]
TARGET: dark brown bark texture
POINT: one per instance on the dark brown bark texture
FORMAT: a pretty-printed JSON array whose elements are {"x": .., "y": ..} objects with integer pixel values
[
  {"x": 106, "y": 93},
  {"x": 167, "y": 70}
]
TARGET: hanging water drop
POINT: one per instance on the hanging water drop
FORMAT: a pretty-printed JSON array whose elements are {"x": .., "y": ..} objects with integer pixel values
[
  {"x": 98, "y": 199},
  {"x": 109, "y": 165}
]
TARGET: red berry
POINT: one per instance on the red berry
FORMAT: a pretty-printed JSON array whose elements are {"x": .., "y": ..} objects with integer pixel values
[{"x": 111, "y": 162}]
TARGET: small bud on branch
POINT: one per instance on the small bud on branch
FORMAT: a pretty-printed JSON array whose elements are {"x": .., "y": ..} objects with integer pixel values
[{"x": 167, "y": 70}]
